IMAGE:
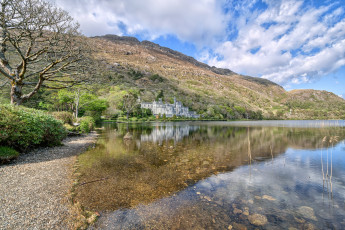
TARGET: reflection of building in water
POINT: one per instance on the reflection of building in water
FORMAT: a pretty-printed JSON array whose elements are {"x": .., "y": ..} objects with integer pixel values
[
  {"x": 158, "y": 107},
  {"x": 165, "y": 133}
]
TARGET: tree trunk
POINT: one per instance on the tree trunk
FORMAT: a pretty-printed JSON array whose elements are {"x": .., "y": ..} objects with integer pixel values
[
  {"x": 16, "y": 94},
  {"x": 77, "y": 103}
]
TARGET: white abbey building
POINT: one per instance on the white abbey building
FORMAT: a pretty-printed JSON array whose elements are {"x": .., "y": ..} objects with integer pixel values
[{"x": 160, "y": 108}]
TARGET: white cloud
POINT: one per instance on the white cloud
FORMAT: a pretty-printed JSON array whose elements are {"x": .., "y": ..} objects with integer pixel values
[
  {"x": 197, "y": 21},
  {"x": 290, "y": 41},
  {"x": 287, "y": 42}
]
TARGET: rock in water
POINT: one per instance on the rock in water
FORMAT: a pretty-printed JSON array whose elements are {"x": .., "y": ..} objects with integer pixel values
[
  {"x": 257, "y": 219},
  {"x": 307, "y": 212},
  {"x": 237, "y": 211},
  {"x": 128, "y": 136},
  {"x": 266, "y": 197}
]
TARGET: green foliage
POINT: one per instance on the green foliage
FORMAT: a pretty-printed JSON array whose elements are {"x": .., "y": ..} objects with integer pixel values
[
  {"x": 65, "y": 117},
  {"x": 71, "y": 128},
  {"x": 133, "y": 119},
  {"x": 87, "y": 124},
  {"x": 160, "y": 95},
  {"x": 23, "y": 128},
  {"x": 156, "y": 78},
  {"x": 135, "y": 74},
  {"x": 7, "y": 154},
  {"x": 240, "y": 110},
  {"x": 65, "y": 96},
  {"x": 91, "y": 105},
  {"x": 122, "y": 118}
]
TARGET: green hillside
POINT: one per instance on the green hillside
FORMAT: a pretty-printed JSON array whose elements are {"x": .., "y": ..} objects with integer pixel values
[{"x": 123, "y": 65}]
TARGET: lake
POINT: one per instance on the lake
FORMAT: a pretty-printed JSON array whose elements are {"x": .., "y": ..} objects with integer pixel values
[{"x": 216, "y": 175}]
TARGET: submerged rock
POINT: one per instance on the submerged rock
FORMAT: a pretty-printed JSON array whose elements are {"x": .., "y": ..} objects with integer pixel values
[
  {"x": 237, "y": 211},
  {"x": 207, "y": 198},
  {"x": 128, "y": 136},
  {"x": 307, "y": 212},
  {"x": 246, "y": 211},
  {"x": 238, "y": 226},
  {"x": 266, "y": 197},
  {"x": 309, "y": 226},
  {"x": 257, "y": 219}
]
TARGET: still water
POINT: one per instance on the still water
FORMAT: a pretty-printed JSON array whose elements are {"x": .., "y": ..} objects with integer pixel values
[{"x": 217, "y": 175}]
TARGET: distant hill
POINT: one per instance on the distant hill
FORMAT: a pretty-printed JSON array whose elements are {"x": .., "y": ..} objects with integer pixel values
[{"x": 152, "y": 68}]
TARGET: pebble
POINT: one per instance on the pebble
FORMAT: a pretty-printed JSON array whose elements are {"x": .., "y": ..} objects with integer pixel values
[
  {"x": 307, "y": 212},
  {"x": 257, "y": 219},
  {"x": 238, "y": 226},
  {"x": 237, "y": 211},
  {"x": 36, "y": 186},
  {"x": 246, "y": 211},
  {"x": 207, "y": 198},
  {"x": 266, "y": 197}
]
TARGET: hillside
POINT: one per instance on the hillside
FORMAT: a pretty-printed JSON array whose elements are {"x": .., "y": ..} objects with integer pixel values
[
  {"x": 152, "y": 68},
  {"x": 121, "y": 64}
]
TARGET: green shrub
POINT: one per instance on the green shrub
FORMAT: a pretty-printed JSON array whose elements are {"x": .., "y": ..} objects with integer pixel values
[
  {"x": 133, "y": 119},
  {"x": 152, "y": 118},
  {"x": 7, "y": 154},
  {"x": 65, "y": 117},
  {"x": 87, "y": 124},
  {"x": 23, "y": 128},
  {"x": 70, "y": 128},
  {"x": 122, "y": 118}
]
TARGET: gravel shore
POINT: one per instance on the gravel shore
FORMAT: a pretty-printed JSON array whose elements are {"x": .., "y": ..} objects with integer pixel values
[{"x": 33, "y": 189}]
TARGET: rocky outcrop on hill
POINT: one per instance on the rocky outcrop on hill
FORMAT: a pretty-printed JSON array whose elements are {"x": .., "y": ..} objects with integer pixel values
[{"x": 175, "y": 54}]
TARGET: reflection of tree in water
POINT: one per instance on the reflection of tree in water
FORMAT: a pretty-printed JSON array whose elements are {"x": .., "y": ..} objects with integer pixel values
[{"x": 142, "y": 171}]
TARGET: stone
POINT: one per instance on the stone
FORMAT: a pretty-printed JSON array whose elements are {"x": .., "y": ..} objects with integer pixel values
[
  {"x": 309, "y": 226},
  {"x": 205, "y": 163},
  {"x": 230, "y": 227},
  {"x": 258, "y": 197},
  {"x": 257, "y": 219},
  {"x": 301, "y": 221},
  {"x": 266, "y": 197},
  {"x": 238, "y": 226},
  {"x": 246, "y": 211},
  {"x": 250, "y": 201},
  {"x": 128, "y": 136},
  {"x": 237, "y": 211},
  {"x": 307, "y": 212},
  {"x": 207, "y": 198}
]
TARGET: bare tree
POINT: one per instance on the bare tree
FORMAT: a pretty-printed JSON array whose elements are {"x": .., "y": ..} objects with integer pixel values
[{"x": 40, "y": 46}]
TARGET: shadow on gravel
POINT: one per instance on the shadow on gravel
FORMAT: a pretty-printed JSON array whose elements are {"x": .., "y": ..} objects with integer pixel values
[{"x": 71, "y": 146}]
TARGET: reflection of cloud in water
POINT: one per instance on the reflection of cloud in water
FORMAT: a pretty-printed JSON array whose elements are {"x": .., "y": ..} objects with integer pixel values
[
  {"x": 292, "y": 123},
  {"x": 168, "y": 132},
  {"x": 295, "y": 182},
  {"x": 292, "y": 180}
]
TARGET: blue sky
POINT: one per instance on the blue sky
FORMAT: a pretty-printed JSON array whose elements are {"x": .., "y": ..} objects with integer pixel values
[{"x": 295, "y": 43}]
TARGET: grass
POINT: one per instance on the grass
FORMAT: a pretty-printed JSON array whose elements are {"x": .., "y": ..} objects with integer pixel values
[{"x": 7, "y": 154}]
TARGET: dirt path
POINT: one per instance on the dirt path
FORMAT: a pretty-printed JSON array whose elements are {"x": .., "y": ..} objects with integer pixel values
[{"x": 33, "y": 190}]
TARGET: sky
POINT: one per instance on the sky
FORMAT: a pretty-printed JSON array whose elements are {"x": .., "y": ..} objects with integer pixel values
[{"x": 299, "y": 44}]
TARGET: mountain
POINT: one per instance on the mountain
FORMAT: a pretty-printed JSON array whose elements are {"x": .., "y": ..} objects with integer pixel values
[{"x": 154, "y": 69}]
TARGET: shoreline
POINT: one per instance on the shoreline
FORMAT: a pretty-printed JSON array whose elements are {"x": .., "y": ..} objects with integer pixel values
[{"x": 35, "y": 188}]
